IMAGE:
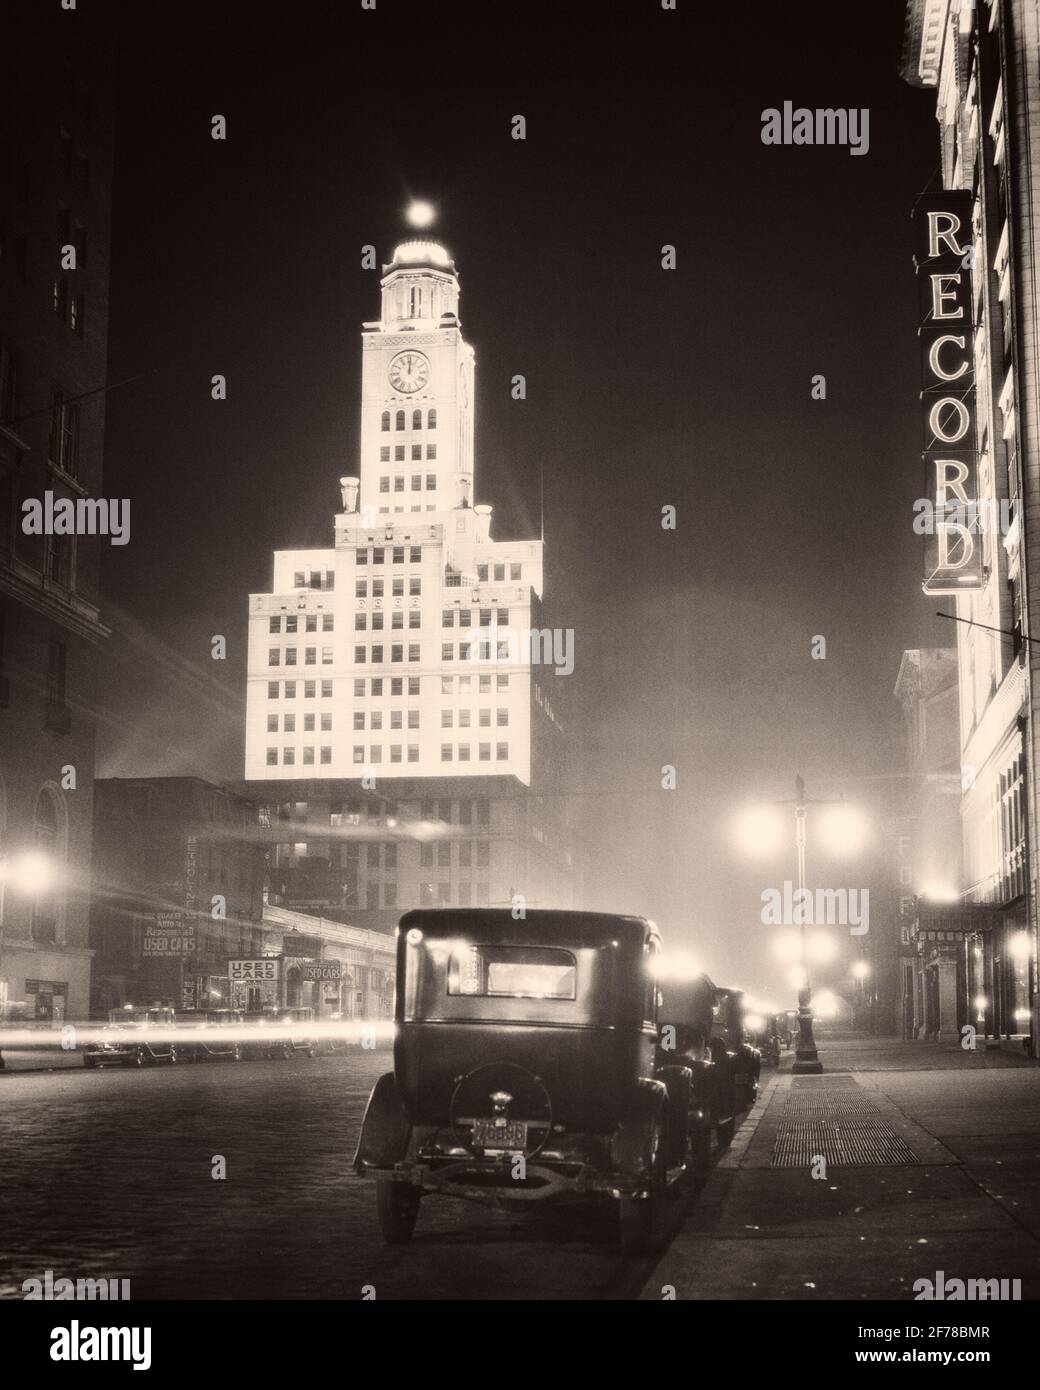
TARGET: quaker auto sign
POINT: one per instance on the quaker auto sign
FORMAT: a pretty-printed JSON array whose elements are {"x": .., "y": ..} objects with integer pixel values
[{"x": 950, "y": 515}]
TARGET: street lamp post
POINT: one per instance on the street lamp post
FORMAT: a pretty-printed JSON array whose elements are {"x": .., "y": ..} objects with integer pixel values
[{"x": 806, "y": 1058}]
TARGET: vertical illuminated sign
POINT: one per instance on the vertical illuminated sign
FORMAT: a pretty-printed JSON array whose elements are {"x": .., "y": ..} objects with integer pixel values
[{"x": 942, "y": 253}]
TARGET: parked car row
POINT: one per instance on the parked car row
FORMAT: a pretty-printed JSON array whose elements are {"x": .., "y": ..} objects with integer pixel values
[
  {"x": 140, "y": 1037},
  {"x": 557, "y": 1055}
]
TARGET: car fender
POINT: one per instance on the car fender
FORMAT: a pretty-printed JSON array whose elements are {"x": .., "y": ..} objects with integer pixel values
[
  {"x": 385, "y": 1130},
  {"x": 630, "y": 1145}
]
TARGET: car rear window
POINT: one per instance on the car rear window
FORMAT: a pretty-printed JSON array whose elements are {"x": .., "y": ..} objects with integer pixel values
[{"x": 513, "y": 972}]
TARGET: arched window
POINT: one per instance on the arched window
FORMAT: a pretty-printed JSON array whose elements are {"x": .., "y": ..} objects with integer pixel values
[
  {"x": 399, "y": 422},
  {"x": 384, "y": 423},
  {"x": 431, "y": 419},
  {"x": 49, "y": 842},
  {"x": 416, "y": 419},
  {"x": 415, "y": 303}
]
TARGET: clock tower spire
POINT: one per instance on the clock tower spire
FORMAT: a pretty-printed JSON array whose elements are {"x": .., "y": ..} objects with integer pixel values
[{"x": 417, "y": 389}]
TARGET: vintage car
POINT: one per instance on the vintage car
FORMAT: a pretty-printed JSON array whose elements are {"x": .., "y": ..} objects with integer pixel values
[
  {"x": 765, "y": 1032},
  {"x": 133, "y": 1037},
  {"x": 279, "y": 1033},
  {"x": 524, "y": 1068},
  {"x": 219, "y": 1035},
  {"x": 732, "y": 1048},
  {"x": 699, "y": 1079}
]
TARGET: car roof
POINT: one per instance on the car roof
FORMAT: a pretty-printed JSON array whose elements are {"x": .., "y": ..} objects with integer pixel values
[{"x": 541, "y": 926}]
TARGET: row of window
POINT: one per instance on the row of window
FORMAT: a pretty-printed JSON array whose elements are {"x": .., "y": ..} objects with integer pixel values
[
  {"x": 289, "y": 756},
  {"x": 378, "y": 554},
  {"x": 430, "y": 507},
  {"x": 414, "y": 455},
  {"x": 467, "y": 852},
  {"x": 448, "y": 718},
  {"x": 310, "y": 620},
  {"x": 498, "y": 571},
  {"x": 375, "y": 753},
  {"x": 374, "y": 655},
  {"x": 361, "y": 620},
  {"x": 396, "y": 686},
  {"x": 475, "y": 651},
  {"x": 310, "y": 689},
  {"x": 483, "y": 752},
  {"x": 310, "y": 656},
  {"x": 469, "y": 895},
  {"x": 465, "y": 617},
  {"x": 401, "y": 417},
  {"x": 289, "y": 723},
  {"x": 464, "y": 684},
  {"x": 375, "y": 719},
  {"x": 314, "y": 579}
]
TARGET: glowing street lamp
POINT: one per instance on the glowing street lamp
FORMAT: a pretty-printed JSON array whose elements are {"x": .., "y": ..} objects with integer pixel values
[
  {"x": 30, "y": 873},
  {"x": 861, "y": 969},
  {"x": 760, "y": 831}
]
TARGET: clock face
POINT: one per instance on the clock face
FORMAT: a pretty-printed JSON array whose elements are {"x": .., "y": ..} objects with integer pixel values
[{"x": 409, "y": 371}]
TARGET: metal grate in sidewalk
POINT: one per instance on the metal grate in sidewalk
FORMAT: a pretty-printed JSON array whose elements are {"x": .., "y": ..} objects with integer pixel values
[{"x": 839, "y": 1123}]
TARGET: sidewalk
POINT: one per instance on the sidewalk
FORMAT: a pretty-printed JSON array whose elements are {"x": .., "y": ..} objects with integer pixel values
[{"x": 932, "y": 1159}]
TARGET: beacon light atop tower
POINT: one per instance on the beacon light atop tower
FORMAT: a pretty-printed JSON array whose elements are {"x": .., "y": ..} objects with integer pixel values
[{"x": 420, "y": 213}]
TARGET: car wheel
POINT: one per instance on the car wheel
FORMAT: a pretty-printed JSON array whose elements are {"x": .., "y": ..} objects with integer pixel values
[
  {"x": 236, "y": 1054},
  {"x": 173, "y": 1057},
  {"x": 397, "y": 1206},
  {"x": 90, "y": 1061},
  {"x": 312, "y": 1052},
  {"x": 287, "y": 1052},
  {"x": 640, "y": 1218},
  {"x": 141, "y": 1058}
]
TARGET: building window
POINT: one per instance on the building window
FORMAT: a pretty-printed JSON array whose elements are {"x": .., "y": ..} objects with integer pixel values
[
  {"x": 396, "y": 652},
  {"x": 308, "y": 755},
  {"x": 308, "y": 723},
  {"x": 413, "y": 685},
  {"x": 416, "y": 419},
  {"x": 359, "y": 719},
  {"x": 390, "y": 889},
  {"x": 414, "y": 619},
  {"x": 431, "y": 451},
  {"x": 326, "y": 690},
  {"x": 326, "y": 753},
  {"x": 482, "y": 573},
  {"x": 274, "y": 625},
  {"x": 377, "y": 686},
  {"x": 326, "y": 723},
  {"x": 501, "y": 751},
  {"x": 290, "y": 690},
  {"x": 463, "y": 752},
  {"x": 415, "y": 585},
  {"x": 359, "y": 753},
  {"x": 310, "y": 656},
  {"x": 327, "y": 622},
  {"x": 378, "y": 556},
  {"x": 64, "y": 435},
  {"x": 326, "y": 656},
  {"x": 446, "y": 718},
  {"x": 399, "y": 420},
  {"x": 290, "y": 656},
  {"x": 272, "y": 723},
  {"x": 359, "y": 656},
  {"x": 445, "y": 752},
  {"x": 413, "y": 752},
  {"x": 447, "y": 652},
  {"x": 360, "y": 556},
  {"x": 384, "y": 420},
  {"x": 500, "y": 573},
  {"x": 431, "y": 482},
  {"x": 384, "y": 483},
  {"x": 272, "y": 690},
  {"x": 272, "y": 757},
  {"x": 288, "y": 756},
  {"x": 289, "y": 724},
  {"x": 484, "y": 752},
  {"x": 502, "y": 718},
  {"x": 375, "y": 753},
  {"x": 514, "y": 571},
  {"x": 308, "y": 690}
]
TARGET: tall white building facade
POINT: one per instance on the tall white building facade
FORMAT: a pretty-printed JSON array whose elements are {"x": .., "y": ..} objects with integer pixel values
[{"x": 395, "y": 665}]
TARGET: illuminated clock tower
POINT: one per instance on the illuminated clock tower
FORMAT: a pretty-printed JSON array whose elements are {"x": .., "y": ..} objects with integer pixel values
[{"x": 417, "y": 389}]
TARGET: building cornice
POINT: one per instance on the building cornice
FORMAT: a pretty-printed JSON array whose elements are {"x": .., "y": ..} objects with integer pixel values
[{"x": 35, "y": 591}]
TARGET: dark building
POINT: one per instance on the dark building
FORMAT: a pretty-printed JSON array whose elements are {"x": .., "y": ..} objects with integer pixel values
[
  {"x": 55, "y": 195},
  {"x": 179, "y": 888}
]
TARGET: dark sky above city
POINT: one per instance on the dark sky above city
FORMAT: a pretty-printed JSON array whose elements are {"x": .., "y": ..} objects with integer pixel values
[{"x": 645, "y": 387}]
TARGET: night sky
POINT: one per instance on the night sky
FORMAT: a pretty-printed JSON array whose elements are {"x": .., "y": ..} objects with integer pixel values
[{"x": 645, "y": 387}]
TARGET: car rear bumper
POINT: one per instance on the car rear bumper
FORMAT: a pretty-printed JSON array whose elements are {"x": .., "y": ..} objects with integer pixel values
[{"x": 491, "y": 1182}]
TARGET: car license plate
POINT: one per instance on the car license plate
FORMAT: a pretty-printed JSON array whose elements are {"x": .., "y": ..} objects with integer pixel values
[{"x": 500, "y": 1134}]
